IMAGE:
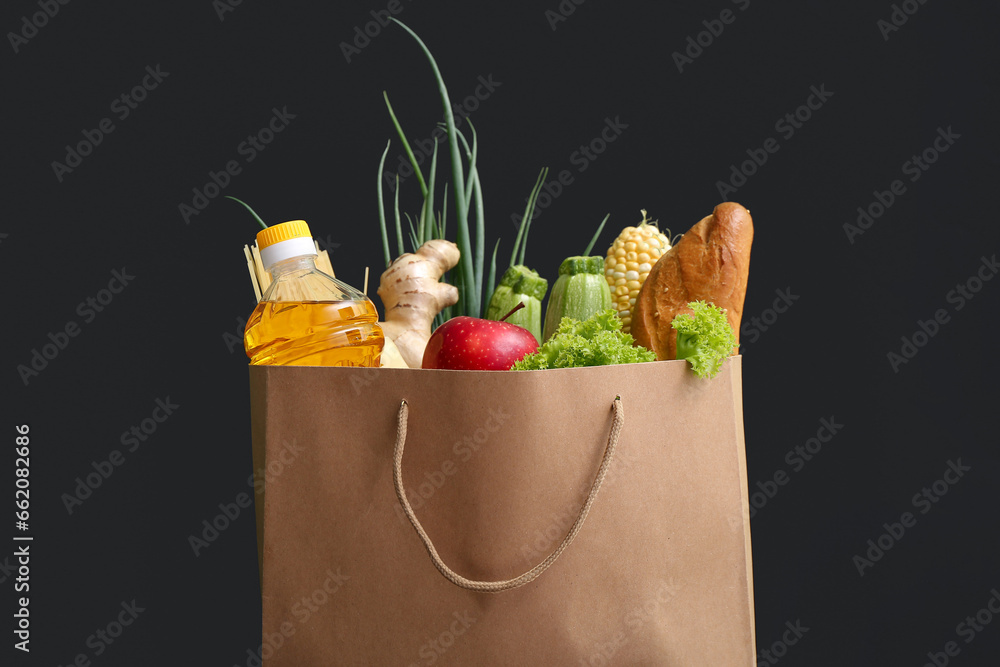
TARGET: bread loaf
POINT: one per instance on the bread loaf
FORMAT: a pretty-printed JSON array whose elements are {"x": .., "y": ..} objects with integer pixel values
[{"x": 709, "y": 263}]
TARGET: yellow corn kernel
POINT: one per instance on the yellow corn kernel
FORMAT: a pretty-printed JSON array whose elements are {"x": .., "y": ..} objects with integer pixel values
[{"x": 629, "y": 261}]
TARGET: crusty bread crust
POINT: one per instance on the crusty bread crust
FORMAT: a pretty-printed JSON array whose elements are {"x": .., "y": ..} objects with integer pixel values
[{"x": 709, "y": 263}]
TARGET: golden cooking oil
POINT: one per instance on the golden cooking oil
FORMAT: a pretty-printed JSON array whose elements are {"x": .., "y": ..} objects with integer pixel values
[{"x": 305, "y": 317}]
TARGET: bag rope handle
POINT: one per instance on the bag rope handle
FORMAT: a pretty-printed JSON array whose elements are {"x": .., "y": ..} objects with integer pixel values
[{"x": 533, "y": 573}]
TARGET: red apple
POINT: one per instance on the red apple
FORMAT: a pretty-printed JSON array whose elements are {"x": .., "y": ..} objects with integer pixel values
[{"x": 473, "y": 344}]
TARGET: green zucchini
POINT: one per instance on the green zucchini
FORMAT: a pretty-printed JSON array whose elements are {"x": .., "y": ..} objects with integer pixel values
[
  {"x": 580, "y": 292},
  {"x": 520, "y": 285}
]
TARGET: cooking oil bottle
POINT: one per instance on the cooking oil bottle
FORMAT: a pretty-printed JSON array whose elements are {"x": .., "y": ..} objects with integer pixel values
[{"x": 305, "y": 317}]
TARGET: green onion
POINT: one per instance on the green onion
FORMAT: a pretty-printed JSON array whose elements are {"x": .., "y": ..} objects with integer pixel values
[
  {"x": 399, "y": 226},
  {"x": 465, "y": 190},
  {"x": 467, "y": 297},
  {"x": 406, "y": 145},
  {"x": 427, "y": 215},
  {"x": 381, "y": 208},
  {"x": 521, "y": 241},
  {"x": 590, "y": 246},
  {"x": 491, "y": 283},
  {"x": 263, "y": 225}
]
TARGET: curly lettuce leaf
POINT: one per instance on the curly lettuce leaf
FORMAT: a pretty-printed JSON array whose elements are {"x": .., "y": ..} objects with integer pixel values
[
  {"x": 704, "y": 338},
  {"x": 597, "y": 341}
]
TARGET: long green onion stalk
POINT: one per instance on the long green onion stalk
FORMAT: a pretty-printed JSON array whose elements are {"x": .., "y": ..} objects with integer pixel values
[{"x": 467, "y": 199}]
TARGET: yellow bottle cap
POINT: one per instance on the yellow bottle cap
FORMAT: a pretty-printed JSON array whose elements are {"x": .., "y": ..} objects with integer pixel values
[{"x": 292, "y": 229}]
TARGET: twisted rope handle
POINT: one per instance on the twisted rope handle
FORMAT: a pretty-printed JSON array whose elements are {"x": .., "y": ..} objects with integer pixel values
[{"x": 533, "y": 573}]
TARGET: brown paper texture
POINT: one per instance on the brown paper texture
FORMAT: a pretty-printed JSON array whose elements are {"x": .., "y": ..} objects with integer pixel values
[{"x": 497, "y": 466}]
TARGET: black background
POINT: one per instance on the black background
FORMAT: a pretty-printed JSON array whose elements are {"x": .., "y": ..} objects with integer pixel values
[{"x": 170, "y": 332}]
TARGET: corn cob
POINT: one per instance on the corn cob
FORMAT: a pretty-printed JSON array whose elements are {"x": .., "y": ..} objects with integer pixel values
[{"x": 628, "y": 263}]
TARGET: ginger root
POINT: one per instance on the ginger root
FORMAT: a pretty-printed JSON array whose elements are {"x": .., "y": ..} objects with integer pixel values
[
  {"x": 391, "y": 358},
  {"x": 412, "y": 294}
]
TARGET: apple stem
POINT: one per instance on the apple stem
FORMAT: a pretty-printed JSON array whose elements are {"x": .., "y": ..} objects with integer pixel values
[{"x": 512, "y": 311}]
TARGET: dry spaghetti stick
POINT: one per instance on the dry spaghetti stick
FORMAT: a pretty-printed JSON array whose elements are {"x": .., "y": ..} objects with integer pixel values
[
  {"x": 323, "y": 263},
  {"x": 253, "y": 271},
  {"x": 365, "y": 290}
]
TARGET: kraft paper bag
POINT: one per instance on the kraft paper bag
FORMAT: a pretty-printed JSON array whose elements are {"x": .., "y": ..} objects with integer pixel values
[{"x": 579, "y": 517}]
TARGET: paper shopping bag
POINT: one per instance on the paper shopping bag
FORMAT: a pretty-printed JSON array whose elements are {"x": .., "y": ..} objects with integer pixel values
[{"x": 579, "y": 517}]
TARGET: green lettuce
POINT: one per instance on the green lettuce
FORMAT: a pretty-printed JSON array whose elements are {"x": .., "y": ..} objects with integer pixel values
[
  {"x": 597, "y": 341},
  {"x": 705, "y": 338}
]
